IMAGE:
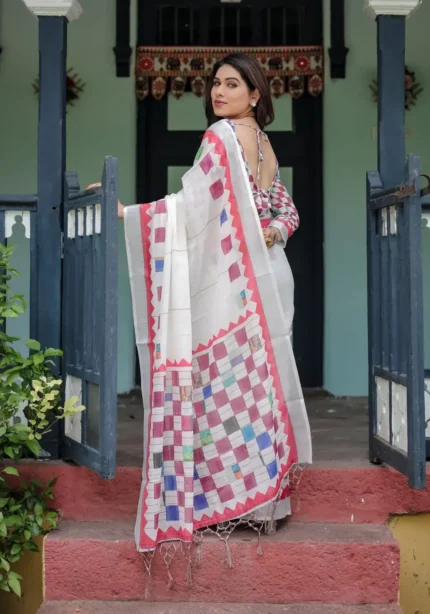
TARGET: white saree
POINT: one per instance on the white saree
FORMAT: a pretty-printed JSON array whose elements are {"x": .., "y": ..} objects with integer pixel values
[{"x": 225, "y": 419}]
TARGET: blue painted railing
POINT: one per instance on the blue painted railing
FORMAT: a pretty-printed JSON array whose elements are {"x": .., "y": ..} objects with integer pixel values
[
  {"x": 395, "y": 312},
  {"x": 12, "y": 205},
  {"x": 90, "y": 313},
  {"x": 89, "y": 310}
]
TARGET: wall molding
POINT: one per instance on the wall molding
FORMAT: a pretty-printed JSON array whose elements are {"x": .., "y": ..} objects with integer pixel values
[
  {"x": 70, "y": 9},
  {"x": 404, "y": 8}
]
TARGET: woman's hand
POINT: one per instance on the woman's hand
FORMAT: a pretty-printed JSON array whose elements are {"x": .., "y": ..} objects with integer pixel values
[
  {"x": 93, "y": 186},
  {"x": 271, "y": 235}
]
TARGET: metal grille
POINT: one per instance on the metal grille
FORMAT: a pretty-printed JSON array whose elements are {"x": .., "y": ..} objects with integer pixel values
[
  {"x": 230, "y": 25},
  {"x": 281, "y": 25},
  {"x": 177, "y": 25}
]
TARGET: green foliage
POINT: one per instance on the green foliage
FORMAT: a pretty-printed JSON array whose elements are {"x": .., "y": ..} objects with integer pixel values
[{"x": 30, "y": 403}]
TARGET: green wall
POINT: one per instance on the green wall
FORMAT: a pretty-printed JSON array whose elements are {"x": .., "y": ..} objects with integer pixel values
[
  {"x": 103, "y": 122},
  {"x": 350, "y": 151}
]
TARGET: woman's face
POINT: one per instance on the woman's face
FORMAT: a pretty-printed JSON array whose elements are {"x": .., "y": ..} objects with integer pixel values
[{"x": 230, "y": 95}]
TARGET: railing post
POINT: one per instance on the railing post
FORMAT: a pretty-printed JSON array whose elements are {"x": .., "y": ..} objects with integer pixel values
[
  {"x": 391, "y": 99},
  {"x": 394, "y": 254},
  {"x": 46, "y": 239},
  {"x": 390, "y": 16}
]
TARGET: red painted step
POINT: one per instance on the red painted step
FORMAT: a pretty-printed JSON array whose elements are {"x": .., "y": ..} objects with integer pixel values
[
  {"x": 345, "y": 564},
  {"x": 360, "y": 495},
  {"x": 137, "y": 607}
]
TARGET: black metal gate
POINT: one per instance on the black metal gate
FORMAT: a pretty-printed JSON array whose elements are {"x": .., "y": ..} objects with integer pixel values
[{"x": 395, "y": 312}]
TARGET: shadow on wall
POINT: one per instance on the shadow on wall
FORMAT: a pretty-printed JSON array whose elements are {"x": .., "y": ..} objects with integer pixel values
[
  {"x": 30, "y": 567},
  {"x": 413, "y": 535}
]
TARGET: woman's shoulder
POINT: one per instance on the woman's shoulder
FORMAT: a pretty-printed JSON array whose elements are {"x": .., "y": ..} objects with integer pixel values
[
  {"x": 223, "y": 129},
  {"x": 221, "y": 126}
]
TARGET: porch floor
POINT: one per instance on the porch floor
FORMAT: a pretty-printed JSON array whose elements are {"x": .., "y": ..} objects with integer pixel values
[{"x": 339, "y": 429}]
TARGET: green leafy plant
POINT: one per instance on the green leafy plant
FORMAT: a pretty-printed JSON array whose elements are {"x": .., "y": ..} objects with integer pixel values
[{"x": 30, "y": 403}]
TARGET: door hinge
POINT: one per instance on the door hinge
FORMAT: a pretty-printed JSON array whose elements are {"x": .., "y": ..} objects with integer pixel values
[{"x": 62, "y": 245}]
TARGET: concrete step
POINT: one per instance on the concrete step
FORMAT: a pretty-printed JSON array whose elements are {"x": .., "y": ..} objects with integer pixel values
[
  {"x": 301, "y": 563},
  {"x": 343, "y": 495},
  {"x": 137, "y": 607}
]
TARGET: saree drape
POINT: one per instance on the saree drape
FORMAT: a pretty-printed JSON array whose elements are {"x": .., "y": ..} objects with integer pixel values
[{"x": 224, "y": 417}]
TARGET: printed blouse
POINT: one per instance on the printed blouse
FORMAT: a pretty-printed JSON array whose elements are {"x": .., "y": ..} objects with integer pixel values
[{"x": 275, "y": 206}]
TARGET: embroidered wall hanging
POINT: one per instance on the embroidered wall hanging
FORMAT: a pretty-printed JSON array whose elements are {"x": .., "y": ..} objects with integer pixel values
[
  {"x": 412, "y": 89},
  {"x": 289, "y": 69}
]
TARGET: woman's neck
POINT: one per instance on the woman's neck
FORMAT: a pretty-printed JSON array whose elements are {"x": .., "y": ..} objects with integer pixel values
[{"x": 245, "y": 119}]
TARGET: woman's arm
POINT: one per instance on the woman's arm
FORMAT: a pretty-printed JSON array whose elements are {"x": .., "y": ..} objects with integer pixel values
[{"x": 285, "y": 215}]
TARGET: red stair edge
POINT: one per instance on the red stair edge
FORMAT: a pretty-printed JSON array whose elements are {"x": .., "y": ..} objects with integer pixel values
[
  {"x": 137, "y": 607},
  {"x": 360, "y": 495},
  {"x": 348, "y": 564}
]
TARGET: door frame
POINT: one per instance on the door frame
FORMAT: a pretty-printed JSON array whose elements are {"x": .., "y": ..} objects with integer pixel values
[{"x": 309, "y": 311}]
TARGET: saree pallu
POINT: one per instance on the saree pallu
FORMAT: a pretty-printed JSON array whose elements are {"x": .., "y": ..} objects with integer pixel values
[{"x": 224, "y": 417}]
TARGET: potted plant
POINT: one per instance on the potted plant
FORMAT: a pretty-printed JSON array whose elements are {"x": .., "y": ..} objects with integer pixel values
[{"x": 30, "y": 401}]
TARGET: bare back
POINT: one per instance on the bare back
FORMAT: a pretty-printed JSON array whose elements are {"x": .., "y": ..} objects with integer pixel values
[{"x": 259, "y": 154}]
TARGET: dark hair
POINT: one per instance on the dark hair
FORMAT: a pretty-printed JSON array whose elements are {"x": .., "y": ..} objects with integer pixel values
[{"x": 252, "y": 73}]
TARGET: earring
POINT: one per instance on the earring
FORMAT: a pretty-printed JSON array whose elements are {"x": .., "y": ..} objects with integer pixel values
[{"x": 253, "y": 104}]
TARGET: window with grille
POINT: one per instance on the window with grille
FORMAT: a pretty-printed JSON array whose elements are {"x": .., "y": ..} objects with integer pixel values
[
  {"x": 281, "y": 26},
  {"x": 231, "y": 25},
  {"x": 177, "y": 25}
]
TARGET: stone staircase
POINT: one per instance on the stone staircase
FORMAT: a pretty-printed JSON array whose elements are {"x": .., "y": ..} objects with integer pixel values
[
  {"x": 301, "y": 563},
  {"x": 335, "y": 557},
  {"x": 108, "y": 607}
]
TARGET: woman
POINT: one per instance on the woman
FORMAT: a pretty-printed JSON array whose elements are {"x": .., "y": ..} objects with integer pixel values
[{"x": 225, "y": 421}]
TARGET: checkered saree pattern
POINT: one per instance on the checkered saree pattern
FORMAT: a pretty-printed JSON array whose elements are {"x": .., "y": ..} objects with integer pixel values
[{"x": 219, "y": 441}]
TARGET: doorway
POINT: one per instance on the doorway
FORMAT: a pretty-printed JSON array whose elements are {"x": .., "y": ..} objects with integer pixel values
[{"x": 165, "y": 149}]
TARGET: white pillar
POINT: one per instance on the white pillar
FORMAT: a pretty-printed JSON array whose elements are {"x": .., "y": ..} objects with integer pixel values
[
  {"x": 390, "y": 7},
  {"x": 70, "y": 9}
]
